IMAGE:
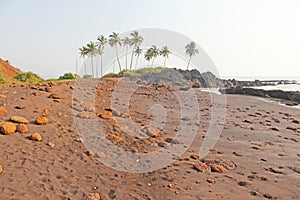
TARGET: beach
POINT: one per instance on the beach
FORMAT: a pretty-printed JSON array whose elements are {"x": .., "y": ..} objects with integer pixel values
[{"x": 255, "y": 157}]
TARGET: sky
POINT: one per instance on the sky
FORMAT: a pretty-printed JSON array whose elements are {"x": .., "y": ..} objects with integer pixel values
[{"x": 241, "y": 37}]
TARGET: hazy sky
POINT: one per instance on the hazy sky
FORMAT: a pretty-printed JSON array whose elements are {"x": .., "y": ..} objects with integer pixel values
[{"x": 242, "y": 37}]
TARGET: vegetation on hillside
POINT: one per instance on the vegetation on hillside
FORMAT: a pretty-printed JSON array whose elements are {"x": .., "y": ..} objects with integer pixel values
[
  {"x": 29, "y": 77},
  {"x": 1, "y": 77},
  {"x": 69, "y": 75},
  {"x": 136, "y": 73}
]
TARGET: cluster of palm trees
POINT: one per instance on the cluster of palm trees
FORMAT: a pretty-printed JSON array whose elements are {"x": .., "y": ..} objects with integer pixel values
[{"x": 132, "y": 45}]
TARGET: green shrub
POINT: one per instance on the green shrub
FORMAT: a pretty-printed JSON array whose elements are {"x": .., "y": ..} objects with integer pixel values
[
  {"x": 29, "y": 77},
  {"x": 131, "y": 74},
  {"x": 150, "y": 70},
  {"x": 68, "y": 76},
  {"x": 109, "y": 75},
  {"x": 1, "y": 77}
]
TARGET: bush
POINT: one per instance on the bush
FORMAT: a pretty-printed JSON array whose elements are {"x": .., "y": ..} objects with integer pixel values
[
  {"x": 68, "y": 76},
  {"x": 150, "y": 70},
  {"x": 1, "y": 77},
  {"x": 29, "y": 77},
  {"x": 131, "y": 74},
  {"x": 109, "y": 75}
]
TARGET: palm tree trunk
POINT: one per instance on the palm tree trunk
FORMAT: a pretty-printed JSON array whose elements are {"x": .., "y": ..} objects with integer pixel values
[
  {"x": 152, "y": 62},
  {"x": 131, "y": 60},
  {"x": 84, "y": 66},
  {"x": 118, "y": 59},
  {"x": 97, "y": 66},
  {"x": 101, "y": 69},
  {"x": 187, "y": 67},
  {"x": 114, "y": 66},
  {"x": 126, "y": 56},
  {"x": 92, "y": 66},
  {"x": 76, "y": 66},
  {"x": 136, "y": 62},
  {"x": 165, "y": 62}
]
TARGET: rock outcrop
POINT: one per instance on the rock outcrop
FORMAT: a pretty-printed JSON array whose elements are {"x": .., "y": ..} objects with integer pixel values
[{"x": 293, "y": 97}]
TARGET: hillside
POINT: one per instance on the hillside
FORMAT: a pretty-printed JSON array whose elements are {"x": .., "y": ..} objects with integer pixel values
[{"x": 7, "y": 70}]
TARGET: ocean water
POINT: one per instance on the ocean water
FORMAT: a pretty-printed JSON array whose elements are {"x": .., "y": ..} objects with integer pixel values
[{"x": 284, "y": 87}]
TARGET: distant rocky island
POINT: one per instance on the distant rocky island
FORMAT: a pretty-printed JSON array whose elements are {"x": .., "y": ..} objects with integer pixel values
[{"x": 193, "y": 78}]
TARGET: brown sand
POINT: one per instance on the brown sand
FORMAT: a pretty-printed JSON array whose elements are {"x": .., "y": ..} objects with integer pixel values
[{"x": 259, "y": 156}]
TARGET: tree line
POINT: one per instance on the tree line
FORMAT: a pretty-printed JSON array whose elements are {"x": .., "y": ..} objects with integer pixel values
[{"x": 132, "y": 45}]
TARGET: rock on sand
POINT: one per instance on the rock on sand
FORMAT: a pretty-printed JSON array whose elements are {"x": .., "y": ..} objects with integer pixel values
[
  {"x": 18, "y": 119},
  {"x": 7, "y": 128},
  {"x": 36, "y": 137}
]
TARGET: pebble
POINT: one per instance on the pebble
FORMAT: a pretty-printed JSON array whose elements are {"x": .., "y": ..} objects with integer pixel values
[
  {"x": 201, "y": 167},
  {"x": 106, "y": 115},
  {"x": 195, "y": 156},
  {"x": 18, "y": 119},
  {"x": 22, "y": 128},
  {"x": 90, "y": 154},
  {"x": 49, "y": 89},
  {"x": 114, "y": 138},
  {"x": 20, "y": 106},
  {"x": 7, "y": 128},
  {"x": 41, "y": 120},
  {"x": 236, "y": 153},
  {"x": 242, "y": 183},
  {"x": 274, "y": 129},
  {"x": 35, "y": 137},
  {"x": 291, "y": 128},
  {"x": 152, "y": 132},
  {"x": 210, "y": 180},
  {"x": 172, "y": 140},
  {"x": 36, "y": 94},
  {"x": 217, "y": 168},
  {"x": 50, "y": 144},
  {"x": 163, "y": 144},
  {"x": 248, "y": 121},
  {"x": 94, "y": 196},
  {"x": 268, "y": 196},
  {"x": 34, "y": 87},
  {"x": 54, "y": 96}
]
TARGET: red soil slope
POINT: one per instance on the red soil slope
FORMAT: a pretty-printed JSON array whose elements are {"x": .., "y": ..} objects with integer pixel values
[{"x": 8, "y": 70}]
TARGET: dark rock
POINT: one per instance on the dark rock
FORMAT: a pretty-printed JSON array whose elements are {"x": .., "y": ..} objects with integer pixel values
[{"x": 293, "y": 97}]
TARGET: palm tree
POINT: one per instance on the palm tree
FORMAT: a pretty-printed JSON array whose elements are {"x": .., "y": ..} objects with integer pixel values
[
  {"x": 83, "y": 51},
  {"x": 155, "y": 52},
  {"x": 191, "y": 50},
  {"x": 137, "y": 52},
  {"x": 102, "y": 41},
  {"x": 92, "y": 51},
  {"x": 114, "y": 41},
  {"x": 165, "y": 53},
  {"x": 136, "y": 41},
  {"x": 126, "y": 43},
  {"x": 148, "y": 55}
]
